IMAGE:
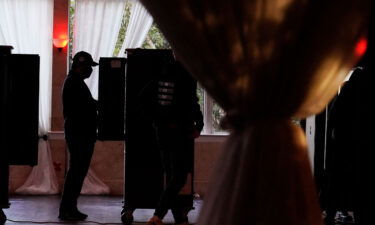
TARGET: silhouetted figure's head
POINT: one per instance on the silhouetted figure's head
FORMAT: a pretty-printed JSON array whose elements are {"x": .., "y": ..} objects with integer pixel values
[{"x": 83, "y": 63}]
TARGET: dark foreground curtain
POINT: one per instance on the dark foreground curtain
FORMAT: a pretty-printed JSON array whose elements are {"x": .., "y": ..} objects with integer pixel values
[{"x": 264, "y": 61}]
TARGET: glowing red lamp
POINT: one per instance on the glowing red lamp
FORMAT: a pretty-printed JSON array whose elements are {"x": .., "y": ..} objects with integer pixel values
[
  {"x": 361, "y": 47},
  {"x": 60, "y": 43}
]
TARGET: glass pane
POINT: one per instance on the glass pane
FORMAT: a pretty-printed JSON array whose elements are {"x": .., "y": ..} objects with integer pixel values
[
  {"x": 72, "y": 5},
  {"x": 217, "y": 115},
  {"x": 155, "y": 39},
  {"x": 200, "y": 94},
  {"x": 124, "y": 26}
]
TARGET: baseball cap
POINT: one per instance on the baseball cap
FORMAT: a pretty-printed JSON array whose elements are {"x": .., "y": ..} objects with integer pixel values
[{"x": 84, "y": 58}]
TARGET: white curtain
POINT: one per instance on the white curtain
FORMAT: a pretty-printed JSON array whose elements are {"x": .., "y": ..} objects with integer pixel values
[
  {"x": 140, "y": 22},
  {"x": 42, "y": 179},
  {"x": 92, "y": 185},
  {"x": 27, "y": 25},
  {"x": 96, "y": 27}
]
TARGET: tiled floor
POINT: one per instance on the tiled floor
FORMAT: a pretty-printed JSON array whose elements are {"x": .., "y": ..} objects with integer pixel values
[{"x": 29, "y": 210}]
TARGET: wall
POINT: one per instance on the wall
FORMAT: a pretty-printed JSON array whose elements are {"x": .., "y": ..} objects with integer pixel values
[{"x": 107, "y": 161}]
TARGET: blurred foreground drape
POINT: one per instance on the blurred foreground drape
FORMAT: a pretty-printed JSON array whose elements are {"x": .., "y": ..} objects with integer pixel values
[{"x": 264, "y": 61}]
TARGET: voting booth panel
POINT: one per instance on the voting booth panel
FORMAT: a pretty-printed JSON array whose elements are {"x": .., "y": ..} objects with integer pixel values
[
  {"x": 144, "y": 178},
  {"x": 19, "y": 103},
  {"x": 143, "y": 169},
  {"x": 20, "y": 83},
  {"x": 111, "y": 99}
]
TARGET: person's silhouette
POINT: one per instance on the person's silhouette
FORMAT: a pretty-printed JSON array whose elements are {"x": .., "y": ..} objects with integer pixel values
[
  {"x": 178, "y": 120},
  {"x": 80, "y": 125}
]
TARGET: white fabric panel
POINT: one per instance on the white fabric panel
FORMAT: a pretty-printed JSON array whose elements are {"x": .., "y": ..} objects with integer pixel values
[
  {"x": 92, "y": 185},
  {"x": 96, "y": 27},
  {"x": 140, "y": 22},
  {"x": 42, "y": 179},
  {"x": 27, "y": 25}
]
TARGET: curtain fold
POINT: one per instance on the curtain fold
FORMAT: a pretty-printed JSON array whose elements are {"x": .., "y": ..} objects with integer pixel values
[
  {"x": 92, "y": 185},
  {"x": 42, "y": 179},
  {"x": 27, "y": 25},
  {"x": 96, "y": 27},
  {"x": 140, "y": 22},
  {"x": 264, "y": 62}
]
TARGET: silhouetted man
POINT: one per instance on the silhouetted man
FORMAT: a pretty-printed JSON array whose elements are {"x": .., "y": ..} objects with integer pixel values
[{"x": 80, "y": 124}]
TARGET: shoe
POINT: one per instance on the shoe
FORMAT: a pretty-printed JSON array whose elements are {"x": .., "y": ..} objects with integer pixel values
[
  {"x": 3, "y": 217},
  {"x": 344, "y": 217},
  {"x": 155, "y": 221},
  {"x": 127, "y": 217},
  {"x": 73, "y": 215}
]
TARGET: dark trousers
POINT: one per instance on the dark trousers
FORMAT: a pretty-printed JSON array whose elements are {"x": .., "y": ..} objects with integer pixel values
[
  {"x": 80, "y": 157},
  {"x": 176, "y": 151}
]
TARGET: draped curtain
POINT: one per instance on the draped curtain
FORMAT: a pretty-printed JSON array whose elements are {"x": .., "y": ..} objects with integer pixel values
[
  {"x": 264, "y": 62},
  {"x": 96, "y": 27},
  {"x": 27, "y": 25},
  {"x": 140, "y": 22}
]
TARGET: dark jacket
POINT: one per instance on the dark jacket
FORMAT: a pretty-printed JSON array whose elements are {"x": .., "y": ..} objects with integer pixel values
[
  {"x": 340, "y": 150},
  {"x": 176, "y": 100},
  {"x": 350, "y": 149},
  {"x": 79, "y": 109}
]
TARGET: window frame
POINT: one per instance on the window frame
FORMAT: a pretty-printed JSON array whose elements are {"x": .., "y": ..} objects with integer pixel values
[{"x": 208, "y": 105}]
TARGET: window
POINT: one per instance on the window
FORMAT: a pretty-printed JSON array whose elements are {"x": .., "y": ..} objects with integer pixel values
[
  {"x": 155, "y": 40},
  {"x": 212, "y": 112}
]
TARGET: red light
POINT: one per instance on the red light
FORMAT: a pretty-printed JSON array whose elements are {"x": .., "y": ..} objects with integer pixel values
[
  {"x": 361, "y": 47},
  {"x": 60, "y": 43}
]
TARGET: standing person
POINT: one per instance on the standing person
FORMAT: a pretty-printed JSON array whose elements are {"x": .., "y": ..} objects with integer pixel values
[
  {"x": 178, "y": 122},
  {"x": 364, "y": 123},
  {"x": 80, "y": 124},
  {"x": 340, "y": 154},
  {"x": 351, "y": 185}
]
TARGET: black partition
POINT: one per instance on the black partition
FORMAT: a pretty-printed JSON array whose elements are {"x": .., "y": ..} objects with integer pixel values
[
  {"x": 20, "y": 106},
  {"x": 143, "y": 169},
  {"x": 111, "y": 106},
  {"x": 144, "y": 178},
  {"x": 4, "y": 167},
  {"x": 4, "y": 182}
]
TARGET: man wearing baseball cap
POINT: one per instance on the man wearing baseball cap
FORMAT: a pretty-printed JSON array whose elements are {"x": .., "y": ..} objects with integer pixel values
[{"x": 80, "y": 125}]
